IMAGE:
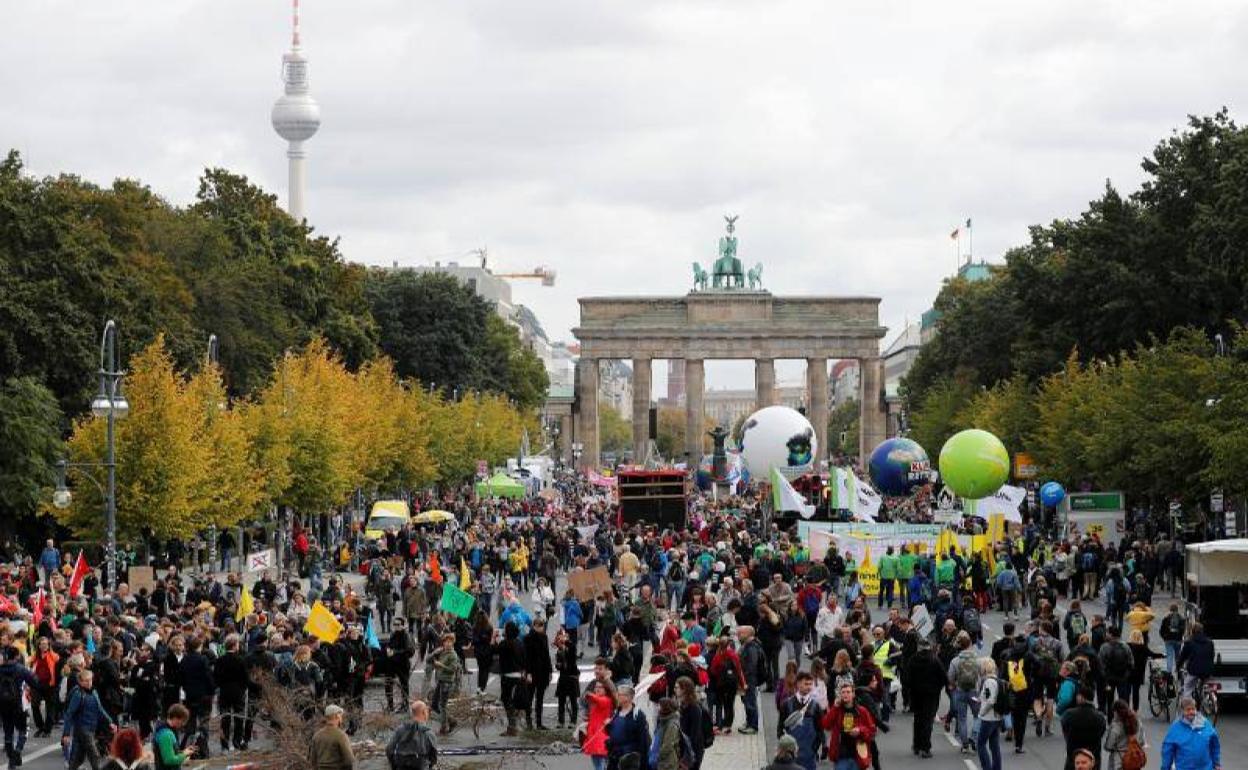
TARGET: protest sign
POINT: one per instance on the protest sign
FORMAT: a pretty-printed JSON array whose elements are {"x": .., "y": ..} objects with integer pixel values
[
  {"x": 589, "y": 583},
  {"x": 456, "y": 601}
]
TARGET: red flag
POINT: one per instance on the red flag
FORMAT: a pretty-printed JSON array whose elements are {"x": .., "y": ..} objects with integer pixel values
[
  {"x": 80, "y": 573},
  {"x": 435, "y": 571},
  {"x": 37, "y": 603},
  {"x": 8, "y": 605}
]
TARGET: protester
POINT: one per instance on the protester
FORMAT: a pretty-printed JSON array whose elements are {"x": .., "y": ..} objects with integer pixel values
[
  {"x": 331, "y": 749},
  {"x": 412, "y": 746},
  {"x": 1191, "y": 743}
]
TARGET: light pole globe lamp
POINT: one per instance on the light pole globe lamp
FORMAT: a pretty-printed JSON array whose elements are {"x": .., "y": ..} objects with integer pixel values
[
  {"x": 61, "y": 498},
  {"x": 101, "y": 405},
  {"x": 121, "y": 407}
]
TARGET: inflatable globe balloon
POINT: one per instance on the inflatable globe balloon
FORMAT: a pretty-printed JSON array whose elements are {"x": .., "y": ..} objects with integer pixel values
[
  {"x": 974, "y": 464},
  {"x": 897, "y": 466},
  {"x": 1052, "y": 493},
  {"x": 777, "y": 436}
]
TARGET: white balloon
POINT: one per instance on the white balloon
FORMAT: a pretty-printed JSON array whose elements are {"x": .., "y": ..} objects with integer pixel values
[{"x": 777, "y": 436}]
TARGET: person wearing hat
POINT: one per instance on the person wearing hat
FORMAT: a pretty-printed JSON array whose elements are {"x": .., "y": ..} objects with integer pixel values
[
  {"x": 786, "y": 755},
  {"x": 331, "y": 750}
]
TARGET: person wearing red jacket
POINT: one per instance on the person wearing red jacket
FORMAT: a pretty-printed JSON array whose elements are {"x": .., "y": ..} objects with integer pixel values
[
  {"x": 727, "y": 679},
  {"x": 43, "y": 701},
  {"x": 850, "y": 730}
]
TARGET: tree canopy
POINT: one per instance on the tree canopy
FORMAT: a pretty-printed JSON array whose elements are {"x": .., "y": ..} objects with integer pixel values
[{"x": 1109, "y": 345}]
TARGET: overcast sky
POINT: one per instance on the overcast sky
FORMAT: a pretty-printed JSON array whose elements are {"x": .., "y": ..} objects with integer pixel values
[{"x": 606, "y": 139}]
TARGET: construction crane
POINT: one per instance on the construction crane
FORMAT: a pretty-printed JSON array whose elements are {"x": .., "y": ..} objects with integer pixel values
[{"x": 543, "y": 273}]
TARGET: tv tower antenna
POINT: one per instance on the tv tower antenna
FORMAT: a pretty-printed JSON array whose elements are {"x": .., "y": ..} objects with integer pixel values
[{"x": 296, "y": 117}]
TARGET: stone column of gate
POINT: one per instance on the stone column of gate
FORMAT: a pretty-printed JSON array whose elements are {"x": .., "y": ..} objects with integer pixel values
[
  {"x": 587, "y": 419},
  {"x": 873, "y": 419},
  {"x": 565, "y": 438},
  {"x": 817, "y": 398},
  {"x": 641, "y": 409},
  {"x": 695, "y": 380},
  {"x": 764, "y": 382}
]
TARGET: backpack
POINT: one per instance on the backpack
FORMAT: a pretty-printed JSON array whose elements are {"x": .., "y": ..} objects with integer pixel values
[
  {"x": 675, "y": 573},
  {"x": 1119, "y": 662},
  {"x": 729, "y": 676},
  {"x": 1018, "y": 679},
  {"x": 1004, "y": 704},
  {"x": 970, "y": 621},
  {"x": 411, "y": 749},
  {"x": 10, "y": 690},
  {"x": 1175, "y": 624},
  {"x": 1133, "y": 756},
  {"x": 966, "y": 675},
  {"x": 1078, "y": 624},
  {"x": 708, "y": 727},
  {"x": 1046, "y": 660},
  {"x": 1088, "y": 561}
]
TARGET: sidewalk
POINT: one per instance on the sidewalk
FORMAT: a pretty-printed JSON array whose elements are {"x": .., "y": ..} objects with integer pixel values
[{"x": 735, "y": 751}]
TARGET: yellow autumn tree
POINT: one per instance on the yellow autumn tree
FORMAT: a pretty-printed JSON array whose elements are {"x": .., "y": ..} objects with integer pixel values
[
  {"x": 161, "y": 463},
  {"x": 232, "y": 487},
  {"x": 303, "y": 406}
]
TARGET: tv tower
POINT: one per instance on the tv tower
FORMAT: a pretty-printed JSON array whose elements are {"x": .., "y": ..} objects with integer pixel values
[{"x": 296, "y": 117}]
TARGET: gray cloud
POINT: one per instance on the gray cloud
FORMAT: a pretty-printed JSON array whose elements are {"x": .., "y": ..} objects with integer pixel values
[{"x": 588, "y": 135}]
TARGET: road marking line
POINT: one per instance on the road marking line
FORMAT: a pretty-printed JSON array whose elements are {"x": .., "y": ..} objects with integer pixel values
[
  {"x": 970, "y": 765},
  {"x": 43, "y": 752}
]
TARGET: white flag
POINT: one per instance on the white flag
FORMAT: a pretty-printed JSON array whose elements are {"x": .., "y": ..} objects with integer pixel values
[
  {"x": 785, "y": 498},
  {"x": 1004, "y": 501}
]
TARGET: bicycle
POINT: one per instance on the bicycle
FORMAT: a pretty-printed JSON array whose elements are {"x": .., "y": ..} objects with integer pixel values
[
  {"x": 1162, "y": 692},
  {"x": 1207, "y": 702},
  {"x": 1205, "y": 693}
]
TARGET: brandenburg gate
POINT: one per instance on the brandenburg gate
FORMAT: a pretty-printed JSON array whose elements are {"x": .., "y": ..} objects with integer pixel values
[{"x": 728, "y": 320}]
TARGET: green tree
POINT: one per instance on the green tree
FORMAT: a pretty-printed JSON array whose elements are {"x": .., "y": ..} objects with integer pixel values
[
  {"x": 30, "y": 445},
  {"x": 162, "y": 462},
  {"x": 615, "y": 434},
  {"x": 939, "y": 414},
  {"x": 843, "y": 423}
]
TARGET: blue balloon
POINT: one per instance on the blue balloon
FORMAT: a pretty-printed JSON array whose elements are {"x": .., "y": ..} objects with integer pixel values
[
  {"x": 898, "y": 465},
  {"x": 1052, "y": 493}
]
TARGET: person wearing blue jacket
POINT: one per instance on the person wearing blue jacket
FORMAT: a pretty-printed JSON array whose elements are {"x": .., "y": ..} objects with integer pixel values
[
  {"x": 83, "y": 717},
  {"x": 572, "y": 620},
  {"x": 514, "y": 613},
  {"x": 1191, "y": 742}
]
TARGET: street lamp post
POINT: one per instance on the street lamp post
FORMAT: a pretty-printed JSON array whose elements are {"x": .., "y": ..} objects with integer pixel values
[
  {"x": 212, "y": 358},
  {"x": 110, "y": 404}
]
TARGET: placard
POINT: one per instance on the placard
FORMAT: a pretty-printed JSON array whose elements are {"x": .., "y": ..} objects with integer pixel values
[
  {"x": 261, "y": 560},
  {"x": 141, "y": 577},
  {"x": 588, "y": 584}
]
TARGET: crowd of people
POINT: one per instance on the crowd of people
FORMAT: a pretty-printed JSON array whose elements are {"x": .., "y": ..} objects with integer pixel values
[{"x": 696, "y": 623}]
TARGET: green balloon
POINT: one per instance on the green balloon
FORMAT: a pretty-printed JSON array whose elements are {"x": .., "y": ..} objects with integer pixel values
[{"x": 974, "y": 464}]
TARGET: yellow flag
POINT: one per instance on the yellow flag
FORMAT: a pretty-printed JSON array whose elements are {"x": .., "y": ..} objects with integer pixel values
[
  {"x": 246, "y": 605},
  {"x": 322, "y": 624},
  {"x": 465, "y": 577}
]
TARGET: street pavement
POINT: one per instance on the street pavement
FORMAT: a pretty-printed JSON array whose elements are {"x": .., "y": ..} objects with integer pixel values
[{"x": 740, "y": 752}]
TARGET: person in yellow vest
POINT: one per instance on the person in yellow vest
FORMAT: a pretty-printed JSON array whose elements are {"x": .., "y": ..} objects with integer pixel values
[{"x": 887, "y": 655}]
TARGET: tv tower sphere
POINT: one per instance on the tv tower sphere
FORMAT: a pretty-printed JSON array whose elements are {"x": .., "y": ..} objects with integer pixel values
[{"x": 296, "y": 117}]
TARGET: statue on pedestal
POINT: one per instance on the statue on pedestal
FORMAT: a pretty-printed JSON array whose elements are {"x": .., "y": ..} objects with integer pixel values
[
  {"x": 719, "y": 457},
  {"x": 727, "y": 273}
]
